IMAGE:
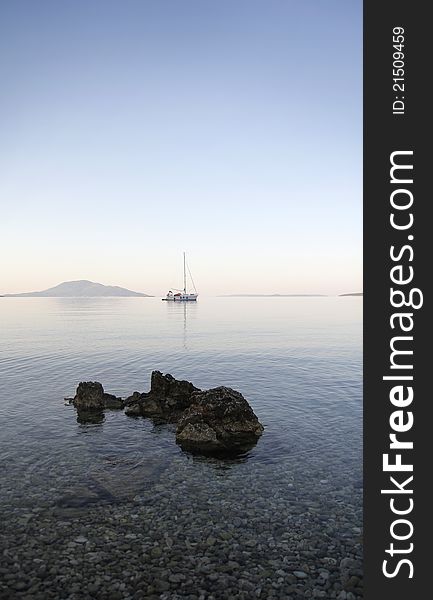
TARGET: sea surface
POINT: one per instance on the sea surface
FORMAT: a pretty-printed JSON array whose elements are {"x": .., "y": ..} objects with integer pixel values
[{"x": 292, "y": 504}]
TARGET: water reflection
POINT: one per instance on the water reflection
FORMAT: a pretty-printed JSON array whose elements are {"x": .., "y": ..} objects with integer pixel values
[
  {"x": 90, "y": 417},
  {"x": 240, "y": 450},
  {"x": 182, "y": 312}
]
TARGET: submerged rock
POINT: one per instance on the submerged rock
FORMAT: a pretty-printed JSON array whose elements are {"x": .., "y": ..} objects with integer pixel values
[
  {"x": 167, "y": 399},
  {"x": 90, "y": 397},
  {"x": 218, "y": 420}
]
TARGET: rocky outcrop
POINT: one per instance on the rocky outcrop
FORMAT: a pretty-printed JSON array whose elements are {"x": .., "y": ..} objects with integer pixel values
[
  {"x": 90, "y": 397},
  {"x": 218, "y": 421},
  {"x": 113, "y": 402},
  {"x": 167, "y": 400}
]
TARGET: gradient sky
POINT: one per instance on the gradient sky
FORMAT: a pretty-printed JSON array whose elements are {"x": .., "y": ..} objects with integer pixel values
[{"x": 132, "y": 130}]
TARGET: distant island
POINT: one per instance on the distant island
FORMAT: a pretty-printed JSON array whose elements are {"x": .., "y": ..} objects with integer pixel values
[
  {"x": 273, "y": 296},
  {"x": 354, "y": 294},
  {"x": 80, "y": 289}
]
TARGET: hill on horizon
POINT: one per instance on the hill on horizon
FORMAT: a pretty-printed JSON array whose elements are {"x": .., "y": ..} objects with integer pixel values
[
  {"x": 81, "y": 288},
  {"x": 353, "y": 294}
]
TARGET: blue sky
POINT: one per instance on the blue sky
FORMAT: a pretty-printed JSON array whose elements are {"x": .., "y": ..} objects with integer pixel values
[{"x": 134, "y": 130}]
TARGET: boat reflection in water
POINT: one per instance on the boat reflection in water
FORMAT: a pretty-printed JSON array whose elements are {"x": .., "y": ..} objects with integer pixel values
[{"x": 180, "y": 313}]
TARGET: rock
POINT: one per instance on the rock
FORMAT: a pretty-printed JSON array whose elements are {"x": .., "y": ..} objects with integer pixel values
[
  {"x": 323, "y": 577},
  {"x": 156, "y": 552},
  {"x": 219, "y": 420},
  {"x": 81, "y": 539},
  {"x": 122, "y": 477},
  {"x": 348, "y": 567},
  {"x": 166, "y": 401},
  {"x": 92, "y": 588},
  {"x": 132, "y": 405},
  {"x": 215, "y": 421},
  {"x": 167, "y": 387},
  {"x": 300, "y": 574},
  {"x": 133, "y": 398},
  {"x": 90, "y": 397},
  {"x": 176, "y": 577},
  {"x": 113, "y": 402}
]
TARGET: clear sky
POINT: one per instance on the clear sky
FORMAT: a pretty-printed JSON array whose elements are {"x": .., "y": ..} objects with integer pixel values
[{"x": 132, "y": 130}]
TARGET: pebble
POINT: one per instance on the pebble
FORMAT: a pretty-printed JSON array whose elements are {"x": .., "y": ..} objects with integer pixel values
[
  {"x": 80, "y": 539},
  {"x": 300, "y": 574},
  {"x": 201, "y": 529}
]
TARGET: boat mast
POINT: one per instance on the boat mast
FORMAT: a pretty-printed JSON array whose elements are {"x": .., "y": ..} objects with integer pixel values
[{"x": 184, "y": 274}]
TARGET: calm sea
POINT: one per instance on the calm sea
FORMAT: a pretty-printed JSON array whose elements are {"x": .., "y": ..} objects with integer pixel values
[{"x": 296, "y": 360}]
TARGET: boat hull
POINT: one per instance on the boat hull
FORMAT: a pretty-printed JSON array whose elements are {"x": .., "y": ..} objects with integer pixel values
[{"x": 181, "y": 298}]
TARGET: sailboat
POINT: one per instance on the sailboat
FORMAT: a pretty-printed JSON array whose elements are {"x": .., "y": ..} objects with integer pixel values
[{"x": 182, "y": 295}]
